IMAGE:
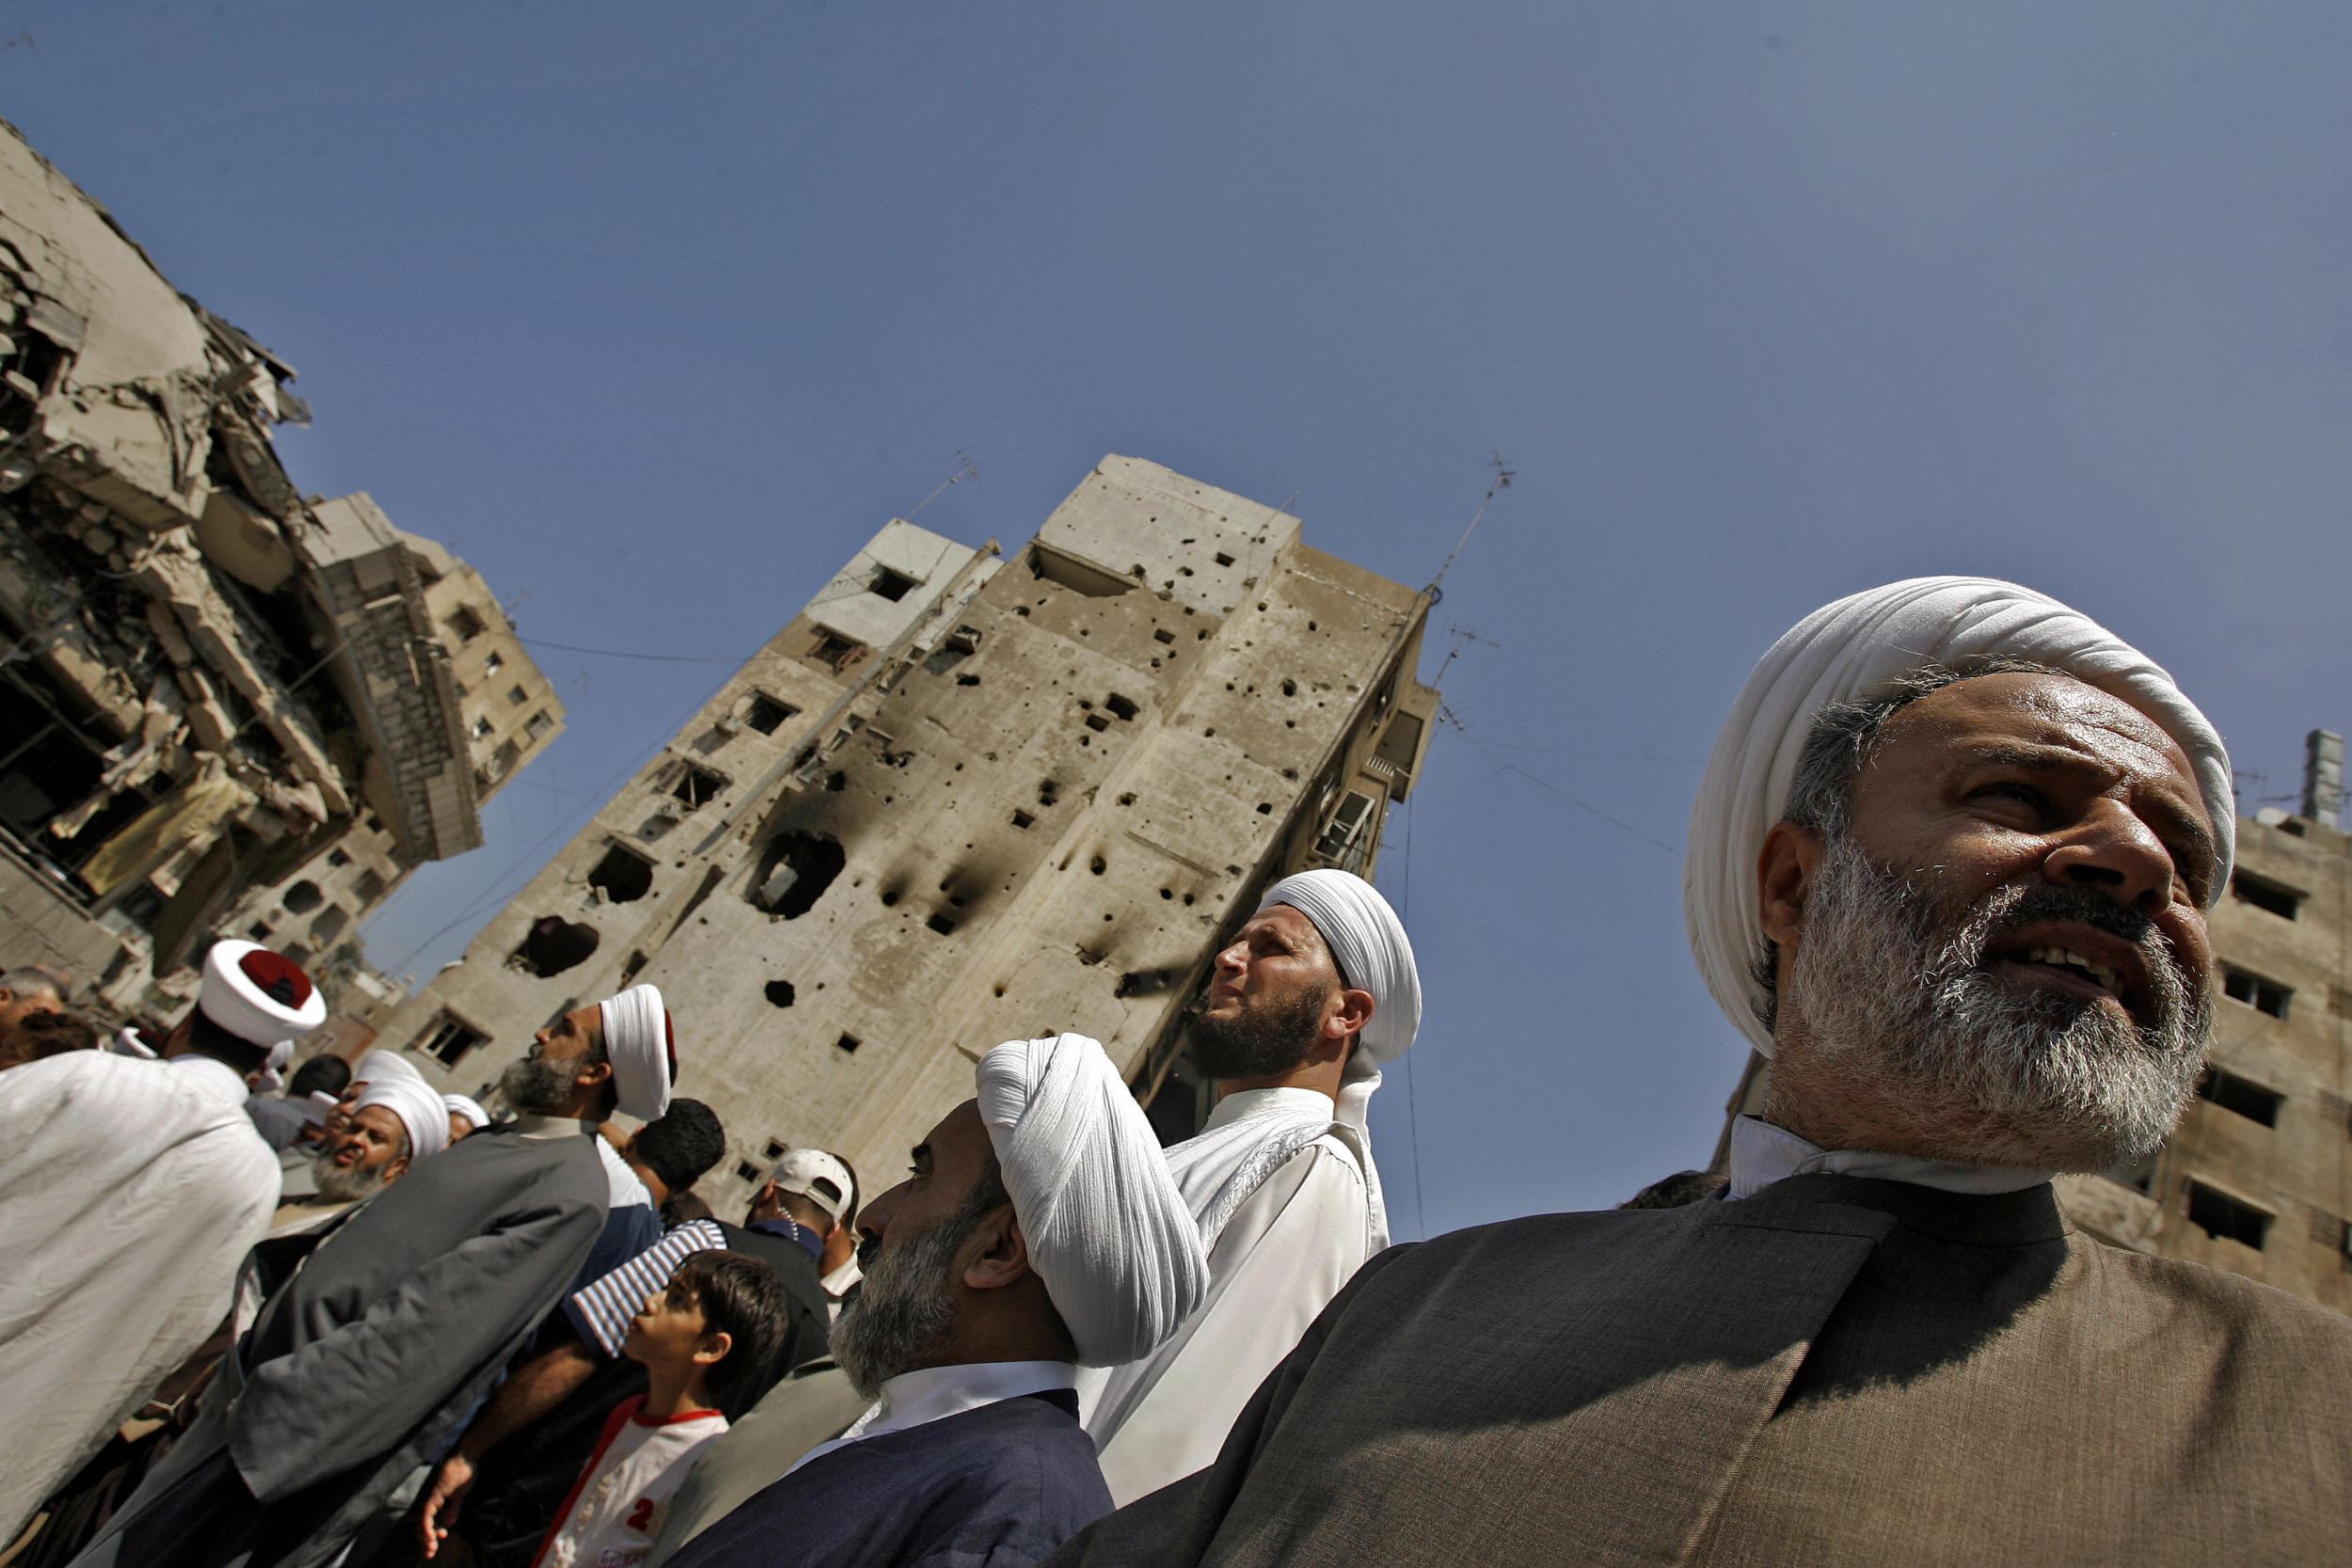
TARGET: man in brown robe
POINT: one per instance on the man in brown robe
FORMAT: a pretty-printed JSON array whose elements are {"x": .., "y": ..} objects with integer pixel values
[{"x": 1950, "y": 867}]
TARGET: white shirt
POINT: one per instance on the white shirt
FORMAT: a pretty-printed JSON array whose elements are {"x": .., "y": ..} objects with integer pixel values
[
  {"x": 934, "y": 1393},
  {"x": 617, "y": 1505},
  {"x": 626, "y": 1187},
  {"x": 1762, "y": 1153},
  {"x": 1281, "y": 1257},
  {"x": 836, "y": 1284},
  {"x": 129, "y": 1191}
]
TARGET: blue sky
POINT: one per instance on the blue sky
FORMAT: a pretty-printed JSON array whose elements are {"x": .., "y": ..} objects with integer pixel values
[{"x": 655, "y": 312}]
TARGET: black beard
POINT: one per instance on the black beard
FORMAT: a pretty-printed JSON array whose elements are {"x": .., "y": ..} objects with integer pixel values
[{"x": 1261, "y": 1041}]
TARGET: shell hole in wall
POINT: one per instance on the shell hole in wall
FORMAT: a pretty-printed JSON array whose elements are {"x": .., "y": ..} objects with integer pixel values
[
  {"x": 303, "y": 897},
  {"x": 1163, "y": 635},
  {"x": 1266, "y": 808},
  {"x": 1097, "y": 865},
  {"x": 1023, "y": 820},
  {"x": 848, "y": 1042},
  {"x": 622, "y": 877},
  {"x": 1290, "y": 688},
  {"x": 795, "y": 870},
  {"x": 942, "y": 921},
  {"x": 890, "y": 898},
  {"x": 1121, "y": 707},
  {"x": 779, "y": 992},
  {"x": 554, "y": 944}
]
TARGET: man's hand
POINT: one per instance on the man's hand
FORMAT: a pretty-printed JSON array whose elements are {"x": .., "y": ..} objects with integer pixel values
[{"x": 449, "y": 1484}]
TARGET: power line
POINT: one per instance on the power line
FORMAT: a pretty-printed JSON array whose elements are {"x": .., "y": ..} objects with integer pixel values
[{"x": 623, "y": 653}]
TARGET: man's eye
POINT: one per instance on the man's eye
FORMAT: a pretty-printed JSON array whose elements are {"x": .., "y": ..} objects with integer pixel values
[{"x": 2008, "y": 789}]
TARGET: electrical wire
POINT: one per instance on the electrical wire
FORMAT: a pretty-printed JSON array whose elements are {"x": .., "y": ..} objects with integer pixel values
[{"x": 624, "y": 653}]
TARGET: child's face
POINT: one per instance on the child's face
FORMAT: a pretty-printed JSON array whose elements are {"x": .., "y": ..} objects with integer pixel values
[{"x": 667, "y": 1330}]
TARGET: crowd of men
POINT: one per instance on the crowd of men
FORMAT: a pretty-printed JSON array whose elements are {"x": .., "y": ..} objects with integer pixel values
[{"x": 1950, "y": 868}]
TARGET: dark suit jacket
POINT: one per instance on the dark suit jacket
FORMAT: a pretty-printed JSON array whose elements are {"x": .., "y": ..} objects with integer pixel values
[
  {"x": 996, "y": 1487},
  {"x": 1834, "y": 1372}
]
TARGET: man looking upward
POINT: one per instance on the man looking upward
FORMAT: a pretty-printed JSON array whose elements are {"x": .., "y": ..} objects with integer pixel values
[
  {"x": 1950, "y": 864},
  {"x": 1315, "y": 992},
  {"x": 1039, "y": 1229}
]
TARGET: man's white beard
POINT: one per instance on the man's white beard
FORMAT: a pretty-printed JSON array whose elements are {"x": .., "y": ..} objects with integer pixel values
[
  {"x": 337, "y": 1185},
  {"x": 1889, "y": 985}
]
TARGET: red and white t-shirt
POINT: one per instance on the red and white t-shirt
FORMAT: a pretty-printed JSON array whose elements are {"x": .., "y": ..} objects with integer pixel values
[{"x": 615, "y": 1507}]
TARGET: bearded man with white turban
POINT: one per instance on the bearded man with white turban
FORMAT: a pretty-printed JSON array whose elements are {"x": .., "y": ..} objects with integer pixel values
[
  {"x": 1306, "y": 1004},
  {"x": 361, "y": 1366},
  {"x": 394, "y": 1124},
  {"x": 1039, "y": 1231},
  {"x": 129, "y": 1192},
  {"x": 1950, "y": 864}
]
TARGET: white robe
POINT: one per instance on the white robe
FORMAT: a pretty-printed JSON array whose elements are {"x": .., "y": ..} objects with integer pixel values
[
  {"x": 129, "y": 1191},
  {"x": 1282, "y": 1251}
]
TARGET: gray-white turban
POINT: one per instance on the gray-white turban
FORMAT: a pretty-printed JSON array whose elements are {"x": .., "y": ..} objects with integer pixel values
[
  {"x": 420, "y": 1110},
  {"x": 1852, "y": 651},
  {"x": 380, "y": 1065},
  {"x": 1107, "y": 1231},
  {"x": 644, "y": 1053},
  {"x": 468, "y": 1107}
]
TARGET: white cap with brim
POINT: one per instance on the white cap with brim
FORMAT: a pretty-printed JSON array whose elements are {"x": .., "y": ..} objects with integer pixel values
[{"x": 818, "y": 1176}]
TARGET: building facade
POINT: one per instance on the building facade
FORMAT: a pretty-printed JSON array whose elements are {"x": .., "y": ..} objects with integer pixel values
[
  {"x": 2257, "y": 1178},
  {"x": 960, "y": 800},
  {"x": 217, "y": 693}
]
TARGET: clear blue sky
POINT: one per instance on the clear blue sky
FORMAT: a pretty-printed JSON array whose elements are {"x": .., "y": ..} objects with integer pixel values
[{"x": 656, "y": 312}]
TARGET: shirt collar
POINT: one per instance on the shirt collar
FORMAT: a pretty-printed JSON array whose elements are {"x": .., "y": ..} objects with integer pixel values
[
  {"x": 1259, "y": 1102},
  {"x": 550, "y": 1127},
  {"x": 217, "y": 1077},
  {"x": 837, "y": 1283},
  {"x": 792, "y": 1230},
  {"x": 1762, "y": 1154},
  {"x": 934, "y": 1393}
]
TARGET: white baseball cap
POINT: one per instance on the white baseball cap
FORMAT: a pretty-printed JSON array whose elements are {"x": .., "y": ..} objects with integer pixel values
[{"x": 818, "y": 1176}]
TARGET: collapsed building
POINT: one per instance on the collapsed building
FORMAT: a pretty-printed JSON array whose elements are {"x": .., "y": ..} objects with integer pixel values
[
  {"x": 960, "y": 800},
  {"x": 224, "y": 705}
]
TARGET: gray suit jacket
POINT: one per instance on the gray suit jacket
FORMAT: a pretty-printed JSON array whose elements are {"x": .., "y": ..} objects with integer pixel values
[{"x": 1834, "y": 1372}]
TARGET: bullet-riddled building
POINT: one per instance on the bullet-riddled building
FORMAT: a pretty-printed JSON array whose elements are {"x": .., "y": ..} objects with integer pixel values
[{"x": 960, "y": 800}]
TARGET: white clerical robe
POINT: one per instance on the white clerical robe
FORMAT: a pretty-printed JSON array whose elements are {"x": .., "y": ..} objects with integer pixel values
[
  {"x": 1283, "y": 1249},
  {"x": 129, "y": 1191}
]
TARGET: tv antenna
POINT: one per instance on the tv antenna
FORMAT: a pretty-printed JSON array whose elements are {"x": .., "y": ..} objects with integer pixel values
[
  {"x": 1504, "y": 474},
  {"x": 965, "y": 469},
  {"x": 1462, "y": 637}
]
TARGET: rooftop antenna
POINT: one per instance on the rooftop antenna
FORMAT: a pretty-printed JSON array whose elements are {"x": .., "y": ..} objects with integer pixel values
[
  {"x": 1462, "y": 637},
  {"x": 1504, "y": 474},
  {"x": 965, "y": 469}
]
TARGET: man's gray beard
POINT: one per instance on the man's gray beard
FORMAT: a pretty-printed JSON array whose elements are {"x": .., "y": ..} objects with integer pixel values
[
  {"x": 904, "y": 1309},
  {"x": 337, "y": 1185},
  {"x": 1893, "y": 987},
  {"x": 535, "y": 1088}
]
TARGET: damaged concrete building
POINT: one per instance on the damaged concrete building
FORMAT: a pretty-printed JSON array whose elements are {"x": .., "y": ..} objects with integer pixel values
[
  {"x": 225, "y": 707},
  {"x": 959, "y": 800}
]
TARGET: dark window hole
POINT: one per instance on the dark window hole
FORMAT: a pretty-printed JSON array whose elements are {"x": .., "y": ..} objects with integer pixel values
[
  {"x": 779, "y": 993},
  {"x": 847, "y": 1043},
  {"x": 621, "y": 877},
  {"x": 942, "y": 921},
  {"x": 554, "y": 944},
  {"x": 795, "y": 870},
  {"x": 765, "y": 714}
]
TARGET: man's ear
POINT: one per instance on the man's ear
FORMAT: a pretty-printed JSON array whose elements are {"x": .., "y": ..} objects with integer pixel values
[
  {"x": 1004, "y": 1255},
  {"x": 714, "y": 1348},
  {"x": 395, "y": 1169},
  {"x": 1349, "y": 1017},
  {"x": 592, "y": 1074},
  {"x": 1784, "y": 876}
]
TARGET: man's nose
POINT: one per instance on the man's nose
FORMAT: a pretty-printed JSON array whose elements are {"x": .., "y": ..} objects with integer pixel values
[
  {"x": 1235, "y": 957},
  {"x": 874, "y": 1218},
  {"x": 2114, "y": 850}
]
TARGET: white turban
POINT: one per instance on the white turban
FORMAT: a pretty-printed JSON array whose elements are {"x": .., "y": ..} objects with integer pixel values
[
  {"x": 259, "y": 996},
  {"x": 458, "y": 1104},
  {"x": 1850, "y": 651},
  {"x": 644, "y": 1053},
  {"x": 1106, "y": 1228},
  {"x": 379, "y": 1067},
  {"x": 418, "y": 1107}
]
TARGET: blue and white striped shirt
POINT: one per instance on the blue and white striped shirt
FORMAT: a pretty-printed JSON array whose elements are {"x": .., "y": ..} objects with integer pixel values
[{"x": 600, "y": 1313}]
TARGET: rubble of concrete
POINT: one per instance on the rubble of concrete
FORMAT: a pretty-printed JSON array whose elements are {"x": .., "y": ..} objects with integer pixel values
[{"x": 211, "y": 684}]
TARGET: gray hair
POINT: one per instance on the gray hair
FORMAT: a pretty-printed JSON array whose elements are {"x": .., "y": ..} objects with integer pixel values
[{"x": 1837, "y": 749}]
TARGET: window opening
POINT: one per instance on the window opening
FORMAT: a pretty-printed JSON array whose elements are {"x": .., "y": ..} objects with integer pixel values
[
  {"x": 622, "y": 877},
  {"x": 795, "y": 871},
  {"x": 765, "y": 714},
  {"x": 2248, "y": 889},
  {"x": 451, "y": 1038},
  {"x": 2226, "y": 1218},
  {"x": 2242, "y": 1094},
  {"x": 554, "y": 944},
  {"x": 890, "y": 585},
  {"x": 847, "y": 1043},
  {"x": 835, "y": 651},
  {"x": 2264, "y": 996},
  {"x": 696, "y": 786},
  {"x": 304, "y": 897}
]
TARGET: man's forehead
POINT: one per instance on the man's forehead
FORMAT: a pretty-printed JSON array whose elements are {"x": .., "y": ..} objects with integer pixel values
[
  {"x": 380, "y": 1117},
  {"x": 955, "y": 1134},
  {"x": 1292, "y": 923},
  {"x": 2035, "y": 709}
]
